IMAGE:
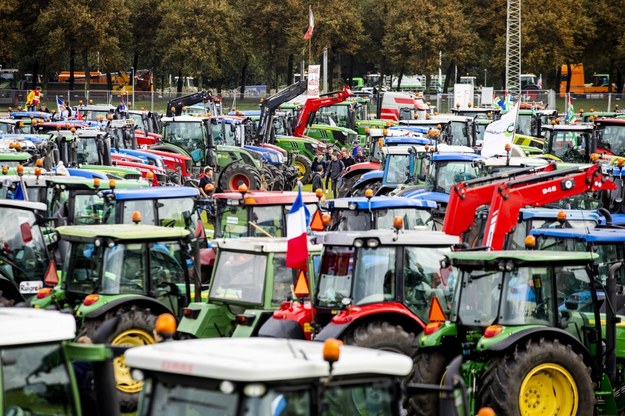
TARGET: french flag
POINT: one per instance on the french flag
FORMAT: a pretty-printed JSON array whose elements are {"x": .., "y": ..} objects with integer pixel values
[{"x": 297, "y": 239}]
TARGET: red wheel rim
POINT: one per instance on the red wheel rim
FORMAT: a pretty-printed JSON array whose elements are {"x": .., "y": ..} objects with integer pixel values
[{"x": 238, "y": 180}]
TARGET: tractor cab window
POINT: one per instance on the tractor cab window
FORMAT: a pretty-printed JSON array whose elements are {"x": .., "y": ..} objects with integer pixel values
[
  {"x": 406, "y": 113},
  {"x": 23, "y": 254},
  {"x": 187, "y": 134},
  {"x": 475, "y": 296},
  {"x": 374, "y": 398},
  {"x": 573, "y": 285},
  {"x": 566, "y": 145},
  {"x": 283, "y": 279},
  {"x": 524, "y": 124},
  {"x": 528, "y": 297},
  {"x": 124, "y": 269},
  {"x": 87, "y": 151},
  {"x": 88, "y": 209},
  {"x": 36, "y": 381},
  {"x": 83, "y": 265},
  {"x": 335, "y": 276},
  {"x": 268, "y": 219},
  {"x": 239, "y": 277},
  {"x": 398, "y": 169},
  {"x": 413, "y": 218},
  {"x": 351, "y": 220},
  {"x": 143, "y": 206},
  {"x": 443, "y": 175},
  {"x": 177, "y": 212},
  {"x": 459, "y": 134},
  {"x": 613, "y": 139},
  {"x": 375, "y": 275},
  {"x": 232, "y": 220},
  {"x": 423, "y": 278},
  {"x": 166, "y": 264}
]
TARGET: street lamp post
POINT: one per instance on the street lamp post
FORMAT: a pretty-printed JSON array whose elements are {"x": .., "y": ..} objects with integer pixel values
[{"x": 485, "y": 72}]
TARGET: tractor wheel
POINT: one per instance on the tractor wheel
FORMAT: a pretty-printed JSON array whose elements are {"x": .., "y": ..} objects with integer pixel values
[
  {"x": 382, "y": 336},
  {"x": 374, "y": 186},
  {"x": 134, "y": 329},
  {"x": 348, "y": 184},
  {"x": 539, "y": 378},
  {"x": 278, "y": 179},
  {"x": 266, "y": 178},
  {"x": 304, "y": 166},
  {"x": 239, "y": 173},
  {"x": 429, "y": 368}
]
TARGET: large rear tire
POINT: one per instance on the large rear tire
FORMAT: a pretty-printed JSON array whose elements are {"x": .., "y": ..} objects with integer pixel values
[
  {"x": 304, "y": 166},
  {"x": 382, "y": 336},
  {"x": 429, "y": 368},
  {"x": 539, "y": 378},
  {"x": 237, "y": 173},
  {"x": 278, "y": 179},
  {"x": 346, "y": 189},
  {"x": 134, "y": 329}
]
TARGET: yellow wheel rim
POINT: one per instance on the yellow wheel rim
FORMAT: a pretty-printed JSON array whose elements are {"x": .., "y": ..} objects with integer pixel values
[
  {"x": 301, "y": 170},
  {"x": 131, "y": 338},
  {"x": 548, "y": 389}
]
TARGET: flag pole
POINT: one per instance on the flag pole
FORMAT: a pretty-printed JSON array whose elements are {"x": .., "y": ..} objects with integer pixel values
[{"x": 310, "y": 51}]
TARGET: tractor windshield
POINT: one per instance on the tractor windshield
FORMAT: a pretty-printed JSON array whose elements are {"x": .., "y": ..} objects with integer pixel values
[
  {"x": 167, "y": 395},
  {"x": 613, "y": 139},
  {"x": 424, "y": 279},
  {"x": 127, "y": 270},
  {"x": 335, "y": 275},
  {"x": 88, "y": 209},
  {"x": 82, "y": 266},
  {"x": 239, "y": 277},
  {"x": 398, "y": 168},
  {"x": 517, "y": 237},
  {"x": 524, "y": 124},
  {"x": 359, "y": 220},
  {"x": 188, "y": 135},
  {"x": 226, "y": 134},
  {"x": 36, "y": 381},
  {"x": 460, "y": 134},
  {"x": 569, "y": 146},
  {"x": 442, "y": 175},
  {"x": 87, "y": 151},
  {"x": 23, "y": 255}
]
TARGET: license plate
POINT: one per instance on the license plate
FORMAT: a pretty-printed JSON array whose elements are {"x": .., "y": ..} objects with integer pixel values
[{"x": 30, "y": 287}]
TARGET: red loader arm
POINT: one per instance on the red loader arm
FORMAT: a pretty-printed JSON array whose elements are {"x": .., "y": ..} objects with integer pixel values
[{"x": 313, "y": 104}]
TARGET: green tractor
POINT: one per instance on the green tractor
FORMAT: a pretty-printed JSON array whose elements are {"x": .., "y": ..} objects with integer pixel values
[
  {"x": 531, "y": 327},
  {"x": 250, "y": 281},
  {"x": 129, "y": 273},
  {"x": 195, "y": 137}
]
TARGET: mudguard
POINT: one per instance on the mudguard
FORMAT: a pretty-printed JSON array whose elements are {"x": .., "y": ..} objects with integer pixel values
[{"x": 280, "y": 328}]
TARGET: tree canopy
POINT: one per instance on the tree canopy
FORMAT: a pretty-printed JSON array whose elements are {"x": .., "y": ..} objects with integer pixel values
[{"x": 229, "y": 43}]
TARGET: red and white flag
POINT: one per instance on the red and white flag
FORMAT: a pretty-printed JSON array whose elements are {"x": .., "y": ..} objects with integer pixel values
[
  {"x": 311, "y": 24},
  {"x": 297, "y": 239}
]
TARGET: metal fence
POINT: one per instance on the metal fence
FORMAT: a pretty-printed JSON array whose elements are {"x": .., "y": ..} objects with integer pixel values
[{"x": 157, "y": 100}]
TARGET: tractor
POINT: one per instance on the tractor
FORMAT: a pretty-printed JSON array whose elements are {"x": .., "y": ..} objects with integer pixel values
[
  {"x": 373, "y": 289},
  {"x": 530, "y": 343},
  {"x": 250, "y": 280}
]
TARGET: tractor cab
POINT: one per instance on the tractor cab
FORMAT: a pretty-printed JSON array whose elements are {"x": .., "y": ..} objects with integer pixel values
[
  {"x": 378, "y": 213},
  {"x": 270, "y": 376},
  {"x": 250, "y": 280},
  {"x": 569, "y": 143},
  {"x": 25, "y": 261},
  {"x": 610, "y": 137},
  {"x": 43, "y": 370},
  {"x": 373, "y": 289},
  {"x": 255, "y": 214}
]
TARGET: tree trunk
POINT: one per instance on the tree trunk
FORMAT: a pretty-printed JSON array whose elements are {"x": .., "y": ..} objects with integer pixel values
[
  {"x": 109, "y": 81},
  {"x": 611, "y": 73},
  {"x": 243, "y": 76},
  {"x": 85, "y": 64},
  {"x": 350, "y": 71},
  {"x": 448, "y": 75},
  {"x": 72, "y": 56},
  {"x": 135, "y": 61},
  {"x": 179, "y": 83},
  {"x": 399, "y": 77},
  {"x": 289, "y": 70}
]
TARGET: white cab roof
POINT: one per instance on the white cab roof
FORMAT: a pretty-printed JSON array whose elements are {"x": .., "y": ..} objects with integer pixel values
[
  {"x": 32, "y": 326},
  {"x": 259, "y": 244},
  {"x": 262, "y": 359}
]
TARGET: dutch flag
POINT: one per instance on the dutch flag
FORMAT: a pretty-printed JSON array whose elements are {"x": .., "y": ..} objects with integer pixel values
[
  {"x": 296, "y": 233},
  {"x": 59, "y": 104}
]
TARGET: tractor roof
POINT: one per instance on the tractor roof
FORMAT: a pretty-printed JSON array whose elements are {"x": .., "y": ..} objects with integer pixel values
[
  {"x": 600, "y": 235},
  {"x": 259, "y": 244},
  {"x": 122, "y": 232},
  {"x": 610, "y": 121},
  {"x": 550, "y": 213},
  {"x": 156, "y": 192},
  {"x": 378, "y": 202},
  {"x": 182, "y": 119},
  {"x": 492, "y": 258},
  {"x": 455, "y": 157},
  {"x": 390, "y": 237},
  {"x": 569, "y": 127},
  {"x": 77, "y": 182},
  {"x": 24, "y": 205},
  {"x": 268, "y": 197},
  {"x": 262, "y": 359},
  {"x": 403, "y": 150},
  {"x": 14, "y": 156},
  {"x": 22, "y": 326},
  {"x": 515, "y": 161}
]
